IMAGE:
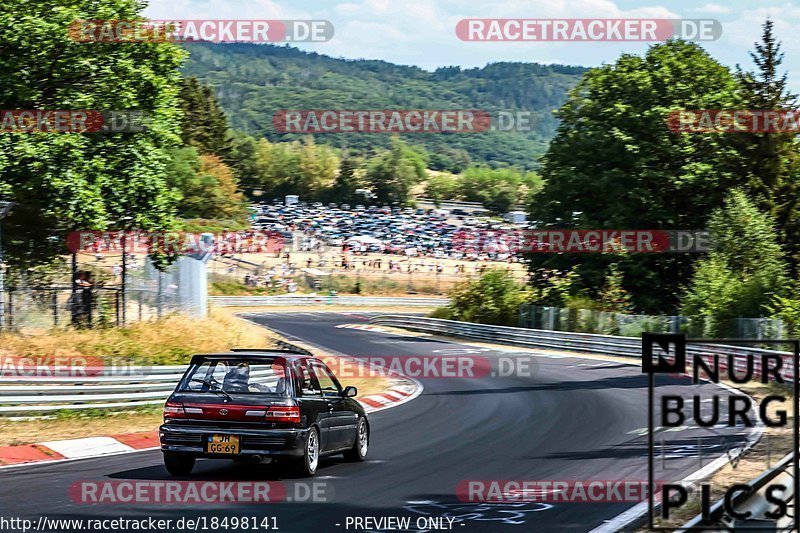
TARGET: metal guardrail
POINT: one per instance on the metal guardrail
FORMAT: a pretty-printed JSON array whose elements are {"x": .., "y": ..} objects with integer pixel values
[
  {"x": 571, "y": 342},
  {"x": 304, "y": 300},
  {"x": 95, "y": 388},
  {"x": 40, "y": 393}
]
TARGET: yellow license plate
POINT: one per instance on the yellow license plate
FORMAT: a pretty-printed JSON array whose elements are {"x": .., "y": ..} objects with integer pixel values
[{"x": 224, "y": 444}]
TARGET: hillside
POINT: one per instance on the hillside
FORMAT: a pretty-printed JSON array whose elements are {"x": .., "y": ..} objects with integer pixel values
[{"x": 253, "y": 81}]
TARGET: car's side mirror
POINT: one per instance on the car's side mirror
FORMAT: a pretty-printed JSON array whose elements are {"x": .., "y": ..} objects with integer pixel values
[{"x": 349, "y": 392}]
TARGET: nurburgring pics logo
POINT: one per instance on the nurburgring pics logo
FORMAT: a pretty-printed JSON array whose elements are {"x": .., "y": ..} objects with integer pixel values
[
  {"x": 588, "y": 30},
  {"x": 734, "y": 121},
  {"x": 666, "y": 353},
  {"x": 210, "y": 30}
]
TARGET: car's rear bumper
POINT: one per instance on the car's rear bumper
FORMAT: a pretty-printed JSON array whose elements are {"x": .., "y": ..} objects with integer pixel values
[{"x": 263, "y": 442}]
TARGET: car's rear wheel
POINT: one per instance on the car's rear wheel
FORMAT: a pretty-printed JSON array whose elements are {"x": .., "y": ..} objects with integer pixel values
[
  {"x": 307, "y": 465},
  {"x": 179, "y": 464},
  {"x": 359, "y": 450}
]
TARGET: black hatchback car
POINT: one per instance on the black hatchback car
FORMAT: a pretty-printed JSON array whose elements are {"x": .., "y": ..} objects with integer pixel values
[{"x": 261, "y": 405}]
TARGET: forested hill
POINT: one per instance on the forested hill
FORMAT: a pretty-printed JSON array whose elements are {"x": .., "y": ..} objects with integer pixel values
[{"x": 253, "y": 81}]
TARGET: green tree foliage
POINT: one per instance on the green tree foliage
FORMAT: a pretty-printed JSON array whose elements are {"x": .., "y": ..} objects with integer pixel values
[
  {"x": 391, "y": 174},
  {"x": 246, "y": 161},
  {"x": 613, "y": 297},
  {"x": 614, "y": 164},
  {"x": 254, "y": 81},
  {"x": 317, "y": 166},
  {"x": 67, "y": 181},
  {"x": 771, "y": 161},
  {"x": 346, "y": 182},
  {"x": 276, "y": 169},
  {"x": 442, "y": 186},
  {"x": 746, "y": 269},
  {"x": 494, "y": 298},
  {"x": 208, "y": 187},
  {"x": 204, "y": 125},
  {"x": 499, "y": 190}
]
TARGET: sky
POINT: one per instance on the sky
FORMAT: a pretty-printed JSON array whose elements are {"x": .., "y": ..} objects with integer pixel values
[{"x": 422, "y": 32}]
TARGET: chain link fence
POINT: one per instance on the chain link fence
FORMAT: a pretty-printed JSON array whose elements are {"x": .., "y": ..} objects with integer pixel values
[{"x": 91, "y": 292}]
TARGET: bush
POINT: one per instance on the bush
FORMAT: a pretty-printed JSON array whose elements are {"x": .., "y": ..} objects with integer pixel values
[
  {"x": 443, "y": 313},
  {"x": 495, "y": 298},
  {"x": 745, "y": 271}
]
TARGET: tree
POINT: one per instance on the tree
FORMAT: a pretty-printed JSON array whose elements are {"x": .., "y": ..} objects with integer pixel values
[
  {"x": 744, "y": 272},
  {"x": 771, "y": 160},
  {"x": 207, "y": 186},
  {"x": 346, "y": 182},
  {"x": 442, "y": 186},
  {"x": 204, "y": 124},
  {"x": 391, "y": 174},
  {"x": 245, "y": 161},
  {"x": 317, "y": 165},
  {"x": 613, "y": 297},
  {"x": 614, "y": 164},
  {"x": 499, "y": 190},
  {"x": 68, "y": 181}
]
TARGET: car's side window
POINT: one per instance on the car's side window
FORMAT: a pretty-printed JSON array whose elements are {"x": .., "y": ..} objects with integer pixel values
[
  {"x": 306, "y": 380},
  {"x": 328, "y": 384}
]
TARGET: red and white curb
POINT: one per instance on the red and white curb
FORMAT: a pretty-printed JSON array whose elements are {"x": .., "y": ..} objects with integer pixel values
[
  {"x": 405, "y": 391},
  {"x": 380, "y": 329},
  {"x": 402, "y": 391},
  {"x": 72, "y": 449}
]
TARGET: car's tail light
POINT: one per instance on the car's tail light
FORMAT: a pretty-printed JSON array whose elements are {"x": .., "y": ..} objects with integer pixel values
[
  {"x": 283, "y": 413},
  {"x": 174, "y": 410}
]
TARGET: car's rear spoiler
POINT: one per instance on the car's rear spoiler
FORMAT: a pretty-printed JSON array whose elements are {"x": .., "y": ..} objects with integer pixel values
[{"x": 283, "y": 347}]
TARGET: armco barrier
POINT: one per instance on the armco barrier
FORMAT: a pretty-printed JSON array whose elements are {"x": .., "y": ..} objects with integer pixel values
[
  {"x": 305, "y": 300},
  {"x": 36, "y": 395},
  {"x": 572, "y": 342},
  {"x": 22, "y": 395}
]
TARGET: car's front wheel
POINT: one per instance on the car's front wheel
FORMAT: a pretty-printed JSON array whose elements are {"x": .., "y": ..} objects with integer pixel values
[
  {"x": 179, "y": 464},
  {"x": 307, "y": 465},
  {"x": 359, "y": 450}
]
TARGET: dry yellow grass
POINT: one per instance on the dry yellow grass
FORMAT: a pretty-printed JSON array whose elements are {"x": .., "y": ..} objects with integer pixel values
[{"x": 171, "y": 340}]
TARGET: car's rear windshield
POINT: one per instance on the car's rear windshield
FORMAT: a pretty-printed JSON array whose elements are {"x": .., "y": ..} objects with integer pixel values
[{"x": 237, "y": 376}]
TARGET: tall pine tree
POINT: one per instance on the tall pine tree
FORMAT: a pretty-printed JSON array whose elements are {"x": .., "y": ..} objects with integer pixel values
[
  {"x": 204, "y": 124},
  {"x": 772, "y": 160}
]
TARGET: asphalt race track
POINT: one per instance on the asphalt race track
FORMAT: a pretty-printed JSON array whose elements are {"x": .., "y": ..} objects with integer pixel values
[{"x": 573, "y": 419}]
